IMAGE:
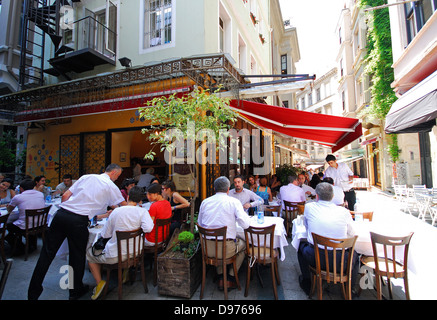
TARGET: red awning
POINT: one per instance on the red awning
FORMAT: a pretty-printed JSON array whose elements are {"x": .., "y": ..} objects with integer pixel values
[{"x": 333, "y": 131}]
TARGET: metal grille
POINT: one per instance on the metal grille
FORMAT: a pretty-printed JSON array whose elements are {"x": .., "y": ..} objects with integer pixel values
[
  {"x": 94, "y": 152},
  {"x": 69, "y": 156}
]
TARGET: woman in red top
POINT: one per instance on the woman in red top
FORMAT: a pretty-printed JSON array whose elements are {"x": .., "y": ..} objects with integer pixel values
[{"x": 160, "y": 209}]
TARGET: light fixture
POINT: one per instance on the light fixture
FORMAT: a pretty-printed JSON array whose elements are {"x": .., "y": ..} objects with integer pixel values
[{"x": 125, "y": 62}]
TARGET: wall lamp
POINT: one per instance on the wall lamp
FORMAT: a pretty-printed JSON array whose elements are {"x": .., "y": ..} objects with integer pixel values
[{"x": 125, "y": 62}]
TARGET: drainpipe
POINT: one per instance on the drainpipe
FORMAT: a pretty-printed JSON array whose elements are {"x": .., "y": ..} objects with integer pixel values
[{"x": 11, "y": 40}]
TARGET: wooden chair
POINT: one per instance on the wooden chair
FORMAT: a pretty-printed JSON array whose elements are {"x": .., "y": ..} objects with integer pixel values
[
  {"x": 259, "y": 250},
  {"x": 162, "y": 226},
  {"x": 3, "y": 220},
  {"x": 269, "y": 210},
  {"x": 343, "y": 275},
  {"x": 385, "y": 266},
  {"x": 292, "y": 210},
  {"x": 132, "y": 244},
  {"x": 5, "y": 274},
  {"x": 366, "y": 215},
  {"x": 216, "y": 258},
  {"x": 36, "y": 224}
]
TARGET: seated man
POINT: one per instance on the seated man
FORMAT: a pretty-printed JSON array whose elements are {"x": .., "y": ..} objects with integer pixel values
[
  {"x": 145, "y": 179},
  {"x": 29, "y": 198},
  {"x": 309, "y": 191},
  {"x": 159, "y": 209},
  {"x": 40, "y": 185},
  {"x": 125, "y": 218},
  {"x": 338, "y": 198},
  {"x": 67, "y": 182},
  {"x": 292, "y": 192},
  {"x": 221, "y": 210},
  {"x": 328, "y": 220},
  {"x": 247, "y": 198}
]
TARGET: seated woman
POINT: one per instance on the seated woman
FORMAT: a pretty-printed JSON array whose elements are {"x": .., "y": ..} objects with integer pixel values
[
  {"x": 126, "y": 186},
  {"x": 124, "y": 218},
  {"x": 177, "y": 202},
  {"x": 6, "y": 192},
  {"x": 275, "y": 184},
  {"x": 264, "y": 191},
  {"x": 159, "y": 209}
]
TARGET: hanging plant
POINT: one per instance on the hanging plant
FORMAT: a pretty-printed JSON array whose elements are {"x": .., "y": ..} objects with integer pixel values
[
  {"x": 378, "y": 65},
  {"x": 252, "y": 16},
  {"x": 263, "y": 40}
]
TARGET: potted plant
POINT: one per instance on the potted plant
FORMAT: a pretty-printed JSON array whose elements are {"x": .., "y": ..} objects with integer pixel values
[
  {"x": 252, "y": 16},
  {"x": 263, "y": 40},
  {"x": 185, "y": 239},
  {"x": 284, "y": 171}
]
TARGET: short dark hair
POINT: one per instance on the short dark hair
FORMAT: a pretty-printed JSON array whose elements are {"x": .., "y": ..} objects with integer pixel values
[
  {"x": 328, "y": 180},
  {"x": 136, "y": 194},
  {"x": 67, "y": 176},
  {"x": 27, "y": 184},
  {"x": 330, "y": 157},
  {"x": 126, "y": 182},
  {"x": 154, "y": 188},
  {"x": 38, "y": 178},
  {"x": 169, "y": 184},
  {"x": 239, "y": 176}
]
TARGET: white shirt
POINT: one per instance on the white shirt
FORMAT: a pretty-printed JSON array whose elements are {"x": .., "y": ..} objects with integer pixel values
[
  {"x": 92, "y": 194},
  {"x": 247, "y": 196},
  {"x": 340, "y": 176},
  {"x": 338, "y": 198},
  {"x": 328, "y": 220},
  {"x": 222, "y": 210},
  {"x": 29, "y": 199},
  {"x": 124, "y": 218},
  {"x": 62, "y": 187},
  {"x": 291, "y": 193},
  {"x": 307, "y": 188}
]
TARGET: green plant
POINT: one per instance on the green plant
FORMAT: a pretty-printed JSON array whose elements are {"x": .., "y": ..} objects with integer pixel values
[
  {"x": 185, "y": 237},
  {"x": 378, "y": 65},
  {"x": 284, "y": 171}
]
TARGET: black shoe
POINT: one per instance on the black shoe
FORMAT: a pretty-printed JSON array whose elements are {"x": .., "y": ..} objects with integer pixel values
[
  {"x": 305, "y": 285},
  {"x": 76, "y": 294}
]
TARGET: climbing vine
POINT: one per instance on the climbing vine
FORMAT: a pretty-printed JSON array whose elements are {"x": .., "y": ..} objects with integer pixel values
[{"x": 378, "y": 65}]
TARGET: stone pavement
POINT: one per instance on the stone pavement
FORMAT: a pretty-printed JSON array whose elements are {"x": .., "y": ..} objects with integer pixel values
[{"x": 19, "y": 277}]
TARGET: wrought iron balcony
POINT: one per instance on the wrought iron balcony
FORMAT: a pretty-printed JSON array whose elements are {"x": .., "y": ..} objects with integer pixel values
[{"x": 88, "y": 44}]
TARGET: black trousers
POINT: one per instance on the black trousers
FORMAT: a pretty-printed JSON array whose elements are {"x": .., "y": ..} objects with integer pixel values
[
  {"x": 306, "y": 258},
  {"x": 351, "y": 198},
  {"x": 74, "y": 228}
]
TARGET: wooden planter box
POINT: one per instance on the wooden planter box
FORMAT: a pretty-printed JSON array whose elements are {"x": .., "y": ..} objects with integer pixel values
[{"x": 178, "y": 276}]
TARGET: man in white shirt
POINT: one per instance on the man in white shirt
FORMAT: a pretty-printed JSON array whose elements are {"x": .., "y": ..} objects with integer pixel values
[
  {"x": 248, "y": 199},
  {"x": 328, "y": 220},
  {"x": 126, "y": 218},
  {"x": 67, "y": 182},
  {"x": 343, "y": 177},
  {"x": 292, "y": 192},
  {"x": 309, "y": 192},
  {"x": 221, "y": 210},
  {"x": 338, "y": 198},
  {"x": 88, "y": 197}
]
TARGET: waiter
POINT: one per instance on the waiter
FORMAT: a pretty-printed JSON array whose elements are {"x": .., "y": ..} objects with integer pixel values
[
  {"x": 89, "y": 196},
  {"x": 343, "y": 177}
]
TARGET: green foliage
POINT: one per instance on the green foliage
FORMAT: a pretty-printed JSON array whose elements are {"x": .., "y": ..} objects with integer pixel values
[
  {"x": 8, "y": 143},
  {"x": 378, "y": 65},
  {"x": 284, "y": 171},
  {"x": 185, "y": 237}
]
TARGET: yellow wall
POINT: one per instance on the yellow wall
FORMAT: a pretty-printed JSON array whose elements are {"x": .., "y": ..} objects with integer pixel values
[{"x": 43, "y": 145}]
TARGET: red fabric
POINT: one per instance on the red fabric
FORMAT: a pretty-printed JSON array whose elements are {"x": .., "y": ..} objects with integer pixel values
[
  {"x": 278, "y": 117},
  {"x": 159, "y": 210}
]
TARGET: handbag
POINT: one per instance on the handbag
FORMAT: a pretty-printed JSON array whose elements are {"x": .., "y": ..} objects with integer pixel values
[{"x": 99, "y": 246}]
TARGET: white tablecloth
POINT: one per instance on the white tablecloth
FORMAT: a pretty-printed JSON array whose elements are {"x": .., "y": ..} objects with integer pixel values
[{"x": 280, "y": 239}]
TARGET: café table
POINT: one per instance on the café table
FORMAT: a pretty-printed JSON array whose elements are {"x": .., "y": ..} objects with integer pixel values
[{"x": 280, "y": 236}]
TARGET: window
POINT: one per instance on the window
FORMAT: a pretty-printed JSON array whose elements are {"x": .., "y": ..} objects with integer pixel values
[
  {"x": 310, "y": 99},
  {"x": 417, "y": 14},
  {"x": 343, "y": 100},
  {"x": 221, "y": 35},
  {"x": 157, "y": 23},
  {"x": 318, "y": 95},
  {"x": 284, "y": 64}
]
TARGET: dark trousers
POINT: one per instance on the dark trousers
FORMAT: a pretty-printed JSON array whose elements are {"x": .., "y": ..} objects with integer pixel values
[
  {"x": 306, "y": 258},
  {"x": 74, "y": 228},
  {"x": 351, "y": 198}
]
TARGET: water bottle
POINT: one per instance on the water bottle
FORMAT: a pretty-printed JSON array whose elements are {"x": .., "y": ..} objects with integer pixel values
[
  {"x": 49, "y": 196},
  {"x": 358, "y": 212},
  {"x": 260, "y": 214}
]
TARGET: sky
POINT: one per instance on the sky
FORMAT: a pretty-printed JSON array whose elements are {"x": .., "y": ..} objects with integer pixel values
[{"x": 315, "y": 21}]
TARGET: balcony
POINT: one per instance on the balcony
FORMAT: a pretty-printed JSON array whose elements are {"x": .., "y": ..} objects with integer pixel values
[{"x": 88, "y": 44}]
